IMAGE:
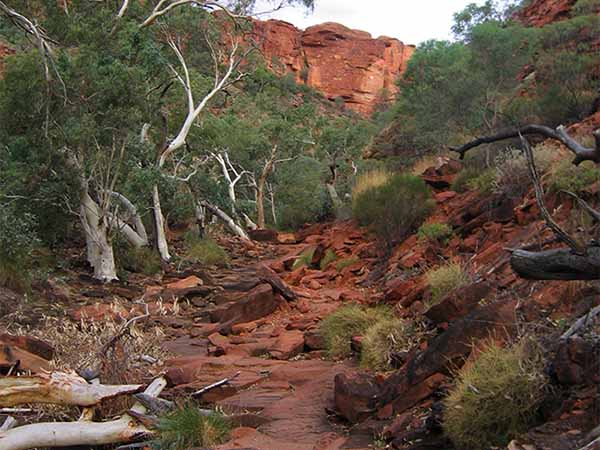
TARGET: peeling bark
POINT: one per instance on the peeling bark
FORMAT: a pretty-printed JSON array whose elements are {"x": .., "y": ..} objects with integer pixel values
[
  {"x": 59, "y": 389},
  {"x": 226, "y": 219},
  {"x": 84, "y": 433}
]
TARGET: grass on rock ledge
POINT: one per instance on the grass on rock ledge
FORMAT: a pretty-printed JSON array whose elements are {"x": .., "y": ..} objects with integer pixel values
[
  {"x": 189, "y": 427},
  {"x": 497, "y": 397}
]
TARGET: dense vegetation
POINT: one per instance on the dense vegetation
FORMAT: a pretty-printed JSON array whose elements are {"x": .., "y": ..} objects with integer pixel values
[
  {"x": 498, "y": 73},
  {"x": 95, "y": 144}
]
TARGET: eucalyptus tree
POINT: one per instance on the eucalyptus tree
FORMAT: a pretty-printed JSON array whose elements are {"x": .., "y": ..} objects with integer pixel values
[{"x": 106, "y": 86}]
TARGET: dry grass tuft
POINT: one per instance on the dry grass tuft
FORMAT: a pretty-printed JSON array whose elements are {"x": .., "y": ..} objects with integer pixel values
[
  {"x": 383, "y": 340},
  {"x": 497, "y": 397},
  {"x": 370, "y": 180},
  {"x": 445, "y": 279},
  {"x": 351, "y": 320}
]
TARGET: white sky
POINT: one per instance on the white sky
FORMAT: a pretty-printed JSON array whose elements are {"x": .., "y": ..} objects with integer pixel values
[{"x": 411, "y": 21}]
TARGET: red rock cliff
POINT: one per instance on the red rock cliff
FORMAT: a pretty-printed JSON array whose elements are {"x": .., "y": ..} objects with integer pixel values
[
  {"x": 543, "y": 12},
  {"x": 338, "y": 61}
]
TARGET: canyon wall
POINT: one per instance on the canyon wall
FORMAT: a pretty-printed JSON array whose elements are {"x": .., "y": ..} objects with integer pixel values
[{"x": 336, "y": 60}]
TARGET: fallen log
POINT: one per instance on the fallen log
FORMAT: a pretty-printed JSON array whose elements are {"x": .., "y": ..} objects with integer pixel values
[
  {"x": 47, "y": 435},
  {"x": 557, "y": 264},
  {"x": 58, "y": 388}
]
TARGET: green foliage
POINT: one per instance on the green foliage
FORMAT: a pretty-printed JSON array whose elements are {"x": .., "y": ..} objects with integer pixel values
[
  {"x": 205, "y": 251},
  {"x": 350, "y": 320},
  {"x": 141, "y": 260},
  {"x": 302, "y": 194},
  {"x": 483, "y": 182},
  {"x": 454, "y": 91},
  {"x": 463, "y": 179},
  {"x": 496, "y": 398},
  {"x": 328, "y": 258},
  {"x": 445, "y": 279},
  {"x": 18, "y": 240},
  {"x": 386, "y": 338},
  {"x": 188, "y": 428},
  {"x": 304, "y": 259},
  {"x": 435, "y": 232},
  {"x": 568, "y": 177},
  {"x": 395, "y": 208}
]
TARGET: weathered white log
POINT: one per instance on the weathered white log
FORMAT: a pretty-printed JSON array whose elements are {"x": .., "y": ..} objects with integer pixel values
[
  {"x": 58, "y": 388},
  {"x": 9, "y": 423},
  {"x": 227, "y": 220},
  {"x": 47, "y": 435}
]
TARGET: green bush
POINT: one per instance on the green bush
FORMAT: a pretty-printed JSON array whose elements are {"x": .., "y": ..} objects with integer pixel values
[
  {"x": 483, "y": 182},
  {"x": 384, "y": 339},
  {"x": 205, "y": 251},
  {"x": 435, "y": 232},
  {"x": 141, "y": 260},
  {"x": 496, "y": 398},
  {"x": 351, "y": 320},
  {"x": 329, "y": 257},
  {"x": 463, "y": 179},
  {"x": 18, "y": 241},
  {"x": 189, "y": 428},
  {"x": 569, "y": 177},
  {"x": 395, "y": 208},
  {"x": 301, "y": 196},
  {"x": 445, "y": 279}
]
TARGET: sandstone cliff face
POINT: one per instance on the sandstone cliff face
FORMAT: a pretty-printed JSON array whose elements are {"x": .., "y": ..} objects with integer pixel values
[
  {"x": 543, "y": 12},
  {"x": 338, "y": 61}
]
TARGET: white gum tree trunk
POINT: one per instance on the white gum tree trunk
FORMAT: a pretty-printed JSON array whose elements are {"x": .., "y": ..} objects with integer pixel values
[
  {"x": 159, "y": 226},
  {"x": 100, "y": 251}
]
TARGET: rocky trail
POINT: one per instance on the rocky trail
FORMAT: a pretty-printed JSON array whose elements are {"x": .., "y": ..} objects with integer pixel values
[{"x": 243, "y": 322}]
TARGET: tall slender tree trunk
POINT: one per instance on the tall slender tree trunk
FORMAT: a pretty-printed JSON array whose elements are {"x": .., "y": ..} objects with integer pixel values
[
  {"x": 260, "y": 203},
  {"x": 159, "y": 226}
]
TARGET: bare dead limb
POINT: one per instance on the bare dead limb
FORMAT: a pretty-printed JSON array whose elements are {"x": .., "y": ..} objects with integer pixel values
[
  {"x": 210, "y": 387},
  {"x": 585, "y": 205},
  {"x": 560, "y": 134},
  {"x": 226, "y": 219},
  {"x": 582, "y": 322},
  {"x": 9, "y": 423},
  {"x": 111, "y": 342},
  {"x": 539, "y": 196},
  {"x": 48, "y": 435},
  {"x": 58, "y": 388},
  {"x": 557, "y": 264}
]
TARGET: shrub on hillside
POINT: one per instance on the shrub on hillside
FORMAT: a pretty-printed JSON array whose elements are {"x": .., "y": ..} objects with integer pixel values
[
  {"x": 395, "y": 208},
  {"x": 188, "y": 428},
  {"x": 301, "y": 197},
  {"x": 141, "y": 260},
  {"x": 386, "y": 338},
  {"x": 205, "y": 251},
  {"x": 495, "y": 398},
  {"x": 568, "y": 177},
  {"x": 18, "y": 240},
  {"x": 351, "y": 320},
  {"x": 435, "y": 232},
  {"x": 445, "y": 279},
  {"x": 512, "y": 172}
]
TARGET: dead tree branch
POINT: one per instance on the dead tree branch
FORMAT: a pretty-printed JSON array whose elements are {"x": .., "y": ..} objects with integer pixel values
[
  {"x": 58, "y": 388},
  {"x": 581, "y": 152}
]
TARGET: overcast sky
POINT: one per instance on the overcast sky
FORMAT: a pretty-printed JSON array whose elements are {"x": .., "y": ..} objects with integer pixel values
[{"x": 411, "y": 21}]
